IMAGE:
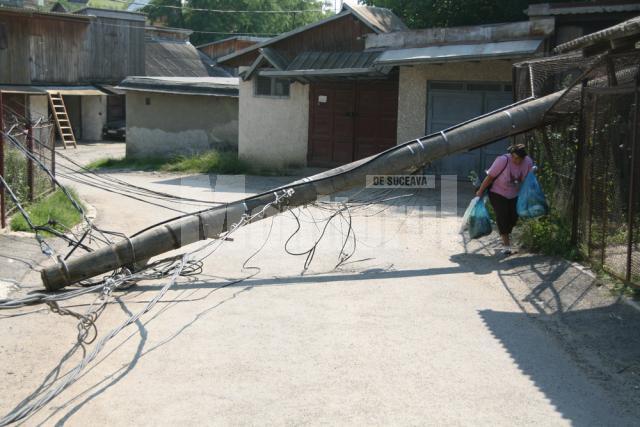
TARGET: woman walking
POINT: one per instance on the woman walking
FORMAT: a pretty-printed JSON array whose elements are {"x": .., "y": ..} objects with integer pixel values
[{"x": 503, "y": 181}]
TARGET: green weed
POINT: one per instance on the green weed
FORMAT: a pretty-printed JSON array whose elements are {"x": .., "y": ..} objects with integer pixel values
[
  {"x": 56, "y": 207},
  {"x": 549, "y": 235},
  {"x": 225, "y": 162}
]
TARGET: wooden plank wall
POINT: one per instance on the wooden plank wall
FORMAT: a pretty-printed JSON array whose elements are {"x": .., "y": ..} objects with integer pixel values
[
  {"x": 225, "y": 48},
  {"x": 55, "y": 48},
  {"x": 14, "y": 58},
  {"x": 344, "y": 34},
  {"x": 341, "y": 35},
  {"x": 58, "y": 51},
  {"x": 115, "y": 49}
]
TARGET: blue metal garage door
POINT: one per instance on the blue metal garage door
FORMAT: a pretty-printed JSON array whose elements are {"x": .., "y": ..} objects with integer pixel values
[{"x": 449, "y": 103}]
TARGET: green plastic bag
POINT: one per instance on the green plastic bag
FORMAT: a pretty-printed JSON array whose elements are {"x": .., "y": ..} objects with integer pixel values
[{"x": 476, "y": 219}]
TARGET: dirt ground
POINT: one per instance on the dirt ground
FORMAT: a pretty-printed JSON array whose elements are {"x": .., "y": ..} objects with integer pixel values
[{"x": 419, "y": 327}]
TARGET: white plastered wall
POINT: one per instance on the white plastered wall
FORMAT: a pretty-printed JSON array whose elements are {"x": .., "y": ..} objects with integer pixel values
[
  {"x": 274, "y": 131},
  {"x": 94, "y": 116}
]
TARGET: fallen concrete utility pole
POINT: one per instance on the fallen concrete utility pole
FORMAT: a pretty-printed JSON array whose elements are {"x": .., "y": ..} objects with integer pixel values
[{"x": 213, "y": 223}]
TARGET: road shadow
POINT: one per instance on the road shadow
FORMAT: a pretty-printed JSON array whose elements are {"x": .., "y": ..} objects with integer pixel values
[
  {"x": 596, "y": 331},
  {"x": 569, "y": 387}
]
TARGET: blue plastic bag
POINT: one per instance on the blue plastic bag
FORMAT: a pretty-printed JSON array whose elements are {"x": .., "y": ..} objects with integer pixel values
[
  {"x": 531, "y": 201},
  {"x": 478, "y": 221}
]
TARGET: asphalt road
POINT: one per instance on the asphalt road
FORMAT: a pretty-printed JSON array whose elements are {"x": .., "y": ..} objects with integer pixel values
[{"x": 419, "y": 327}]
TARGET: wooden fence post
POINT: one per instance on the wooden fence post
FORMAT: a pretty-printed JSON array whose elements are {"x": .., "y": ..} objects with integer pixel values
[
  {"x": 52, "y": 141},
  {"x": 30, "y": 162},
  {"x": 632, "y": 187}
]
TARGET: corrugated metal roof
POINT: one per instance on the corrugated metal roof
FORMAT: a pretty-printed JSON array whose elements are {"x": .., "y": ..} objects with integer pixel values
[
  {"x": 241, "y": 38},
  {"x": 75, "y": 90},
  {"x": 330, "y": 64},
  {"x": 178, "y": 59},
  {"x": 206, "y": 86},
  {"x": 36, "y": 13},
  {"x": 459, "y": 52},
  {"x": 62, "y": 90},
  {"x": 33, "y": 90},
  {"x": 547, "y": 9},
  {"x": 332, "y": 60},
  {"x": 112, "y": 14},
  {"x": 379, "y": 19},
  {"x": 623, "y": 29},
  {"x": 275, "y": 58}
]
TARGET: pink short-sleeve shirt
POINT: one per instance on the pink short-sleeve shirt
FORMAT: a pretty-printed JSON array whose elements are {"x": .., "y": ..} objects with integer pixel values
[{"x": 508, "y": 176}]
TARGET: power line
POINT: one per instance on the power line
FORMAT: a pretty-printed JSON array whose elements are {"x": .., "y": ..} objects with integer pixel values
[
  {"x": 197, "y": 9},
  {"x": 194, "y": 31}
]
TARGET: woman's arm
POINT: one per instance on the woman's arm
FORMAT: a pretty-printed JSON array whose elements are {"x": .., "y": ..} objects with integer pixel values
[{"x": 486, "y": 183}]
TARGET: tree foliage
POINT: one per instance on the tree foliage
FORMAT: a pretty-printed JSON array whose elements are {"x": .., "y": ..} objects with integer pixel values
[
  {"x": 203, "y": 22},
  {"x": 451, "y": 13}
]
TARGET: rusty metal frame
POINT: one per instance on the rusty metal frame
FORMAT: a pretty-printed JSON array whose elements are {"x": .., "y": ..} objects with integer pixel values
[
  {"x": 590, "y": 220},
  {"x": 633, "y": 176},
  {"x": 3, "y": 202},
  {"x": 579, "y": 178}
]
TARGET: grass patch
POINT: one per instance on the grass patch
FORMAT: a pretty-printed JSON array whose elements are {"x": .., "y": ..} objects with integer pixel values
[
  {"x": 127, "y": 163},
  {"x": 208, "y": 162},
  {"x": 55, "y": 207},
  {"x": 549, "y": 235},
  {"x": 225, "y": 162}
]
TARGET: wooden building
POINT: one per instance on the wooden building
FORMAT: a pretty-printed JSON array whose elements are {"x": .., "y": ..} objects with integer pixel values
[
  {"x": 224, "y": 47},
  {"x": 79, "y": 55},
  {"x": 313, "y": 96},
  {"x": 229, "y": 45}
]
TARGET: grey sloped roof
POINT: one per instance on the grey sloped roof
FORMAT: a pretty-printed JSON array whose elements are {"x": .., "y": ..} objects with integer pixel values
[
  {"x": 206, "y": 86},
  {"x": 624, "y": 29},
  {"x": 309, "y": 66},
  {"x": 275, "y": 58},
  {"x": 178, "y": 59},
  {"x": 242, "y": 38},
  {"x": 459, "y": 52},
  {"x": 380, "y": 20},
  {"x": 332, "y": 60}
]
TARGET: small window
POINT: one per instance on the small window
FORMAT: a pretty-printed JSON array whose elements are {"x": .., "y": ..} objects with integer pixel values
[
  {"x": 447, "y": 86},
  {"x": 263, "y": 86},
  {"x": 272, "y": 86},
  {"x": 490, "y": 87}
]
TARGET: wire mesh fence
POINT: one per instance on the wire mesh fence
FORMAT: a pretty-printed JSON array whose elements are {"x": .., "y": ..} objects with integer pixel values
[
  {"x": 24, "y": 176},
  {"x": 589, "y": 159}
]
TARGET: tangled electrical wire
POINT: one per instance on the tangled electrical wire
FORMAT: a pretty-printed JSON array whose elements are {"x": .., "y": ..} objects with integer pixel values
[
  {"x": 339, "y": 217},
  {"x": 187, "y": 264}
]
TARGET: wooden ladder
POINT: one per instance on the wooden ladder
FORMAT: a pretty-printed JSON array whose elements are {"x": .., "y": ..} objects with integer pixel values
[{"x": 62, "y": 120}]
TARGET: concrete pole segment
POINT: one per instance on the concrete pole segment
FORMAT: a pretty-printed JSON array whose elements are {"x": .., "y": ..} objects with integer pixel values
[{"x": 213, "y": 223}]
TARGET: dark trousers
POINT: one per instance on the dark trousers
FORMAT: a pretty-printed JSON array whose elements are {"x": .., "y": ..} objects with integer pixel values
[{"x": 506, "y": 213}]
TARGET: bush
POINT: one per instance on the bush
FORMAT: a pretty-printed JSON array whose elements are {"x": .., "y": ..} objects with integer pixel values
[{"x": 549, "y": 235}]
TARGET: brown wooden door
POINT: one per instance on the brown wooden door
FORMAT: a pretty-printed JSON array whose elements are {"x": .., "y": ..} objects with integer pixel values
[
  {"x": 349, "y": 121},
  {"x": 375, "y": 118},
  {"x": 331, "y": 123}
]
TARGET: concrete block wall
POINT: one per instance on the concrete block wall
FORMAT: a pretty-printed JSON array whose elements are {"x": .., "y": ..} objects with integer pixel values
[{"x": 165, "y": 125}]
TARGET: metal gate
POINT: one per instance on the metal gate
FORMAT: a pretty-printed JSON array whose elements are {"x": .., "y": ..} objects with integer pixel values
[{"x": 450, "y": 103}]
